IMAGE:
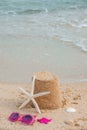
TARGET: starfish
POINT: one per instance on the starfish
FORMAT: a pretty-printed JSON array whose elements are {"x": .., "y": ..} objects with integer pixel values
[{"x": 32, "y": 96}]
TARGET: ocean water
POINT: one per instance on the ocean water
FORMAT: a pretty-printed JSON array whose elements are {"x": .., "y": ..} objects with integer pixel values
[{"x": 38, "y": 35}]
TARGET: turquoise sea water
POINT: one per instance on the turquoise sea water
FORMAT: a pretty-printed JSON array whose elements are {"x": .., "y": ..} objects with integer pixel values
[
  {"x": 38, "y": 6},
  {"x": 40, "y": 35}
]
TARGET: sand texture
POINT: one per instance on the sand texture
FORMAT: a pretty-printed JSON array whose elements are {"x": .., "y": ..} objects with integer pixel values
[{"x": 74, "y": 95}]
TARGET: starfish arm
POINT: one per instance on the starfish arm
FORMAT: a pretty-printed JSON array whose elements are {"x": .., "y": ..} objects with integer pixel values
[
  {"x": 33, "y": 84},
  {"x": 25, "y": 103},
  {"x": 25, "y": 92},
  {"x": 41, "y": 94},
  {"x": 36, "y": 105}
]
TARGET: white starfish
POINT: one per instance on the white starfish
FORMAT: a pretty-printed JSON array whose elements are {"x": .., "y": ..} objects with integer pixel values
[{"x": 31, "y": 96}]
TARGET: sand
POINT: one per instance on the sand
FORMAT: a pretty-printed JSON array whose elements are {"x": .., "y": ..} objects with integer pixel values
[{"x": 74, "y": 95}]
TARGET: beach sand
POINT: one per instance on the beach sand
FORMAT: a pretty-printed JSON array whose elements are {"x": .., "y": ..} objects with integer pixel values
[{"x": 73, "y": 95}]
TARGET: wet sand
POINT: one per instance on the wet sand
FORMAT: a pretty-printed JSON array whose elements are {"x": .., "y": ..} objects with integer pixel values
[{"x": 19, "y": 60}]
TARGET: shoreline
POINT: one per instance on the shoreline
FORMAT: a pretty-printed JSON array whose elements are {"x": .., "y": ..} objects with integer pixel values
[{"x": 74, "y": 95}]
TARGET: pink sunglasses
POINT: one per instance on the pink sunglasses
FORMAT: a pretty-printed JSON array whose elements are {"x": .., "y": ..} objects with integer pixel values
[{"x": 26, "y": 119}]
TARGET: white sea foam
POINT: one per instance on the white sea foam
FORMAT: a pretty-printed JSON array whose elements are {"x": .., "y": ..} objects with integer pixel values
[{"x": 79, "y": 25}]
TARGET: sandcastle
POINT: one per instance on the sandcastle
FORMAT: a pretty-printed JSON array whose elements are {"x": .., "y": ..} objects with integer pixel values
[{"x": 45, "y": 81}]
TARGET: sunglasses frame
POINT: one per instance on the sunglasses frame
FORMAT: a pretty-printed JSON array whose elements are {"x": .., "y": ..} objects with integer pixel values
[{"x": 25, "y": 119}]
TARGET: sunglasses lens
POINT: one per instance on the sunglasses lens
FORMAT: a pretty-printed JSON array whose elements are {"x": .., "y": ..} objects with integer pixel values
[
  {"x": 27, "y": 119},
  {"x": 14, "y": 117}
]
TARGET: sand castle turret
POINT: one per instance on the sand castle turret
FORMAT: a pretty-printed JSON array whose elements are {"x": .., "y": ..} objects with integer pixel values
[{"x": 46, "y": 81}]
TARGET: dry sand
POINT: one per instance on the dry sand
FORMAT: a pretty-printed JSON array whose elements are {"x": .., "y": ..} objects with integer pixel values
[{"x": 74, "y": 95}]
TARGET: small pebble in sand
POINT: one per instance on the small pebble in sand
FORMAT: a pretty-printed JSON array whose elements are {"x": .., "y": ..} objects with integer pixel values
[{"x": 70, "y": 109}]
